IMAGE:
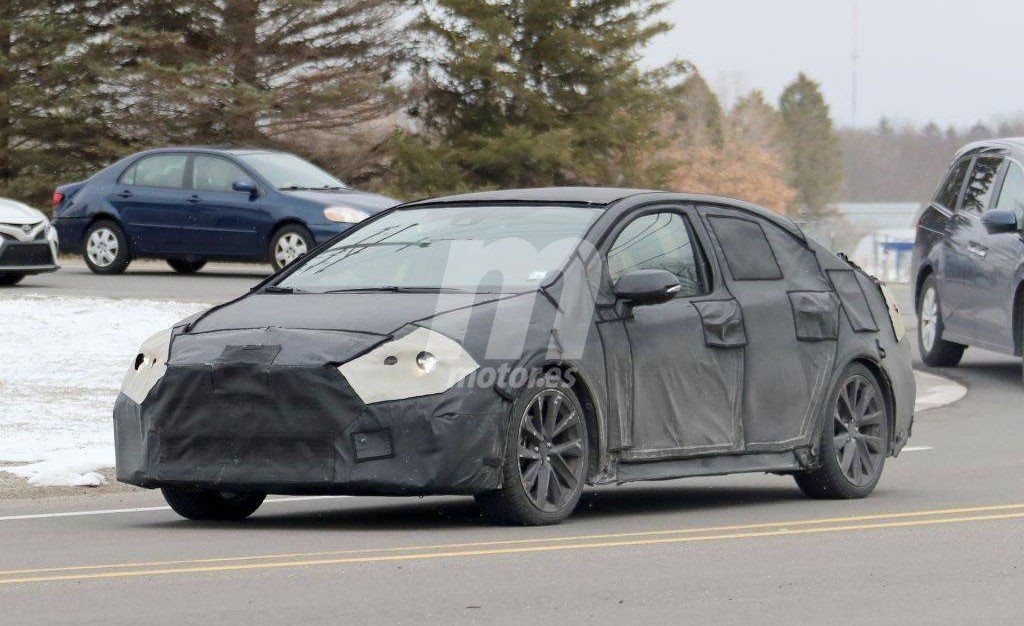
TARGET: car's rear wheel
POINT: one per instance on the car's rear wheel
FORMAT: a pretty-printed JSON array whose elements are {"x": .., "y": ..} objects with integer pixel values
[
  {"x": 7, "y": 280},
  {"x": 106, "y": 248},
  {"x": 935, "y": 351},
  {"x": 289, "y": 244},
  {"x": 854, "y": 439},
  {"x": 186, "y": 266},
  {"x": 212, "y": 505},
  {"x": 546, "y": 456}
]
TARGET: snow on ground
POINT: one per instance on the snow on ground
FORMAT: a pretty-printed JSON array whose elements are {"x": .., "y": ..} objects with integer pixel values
[{"x": 61, "y": 364}]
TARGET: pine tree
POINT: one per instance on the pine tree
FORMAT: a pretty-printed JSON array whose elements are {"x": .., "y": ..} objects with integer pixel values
[
  {"x": 813, "y": 154},
  {"x": 53, "y": 122},
  {"x": 700, "y": 116},
  {"x": 534, "y": 92},
  {"x": 265, "y": 72}
]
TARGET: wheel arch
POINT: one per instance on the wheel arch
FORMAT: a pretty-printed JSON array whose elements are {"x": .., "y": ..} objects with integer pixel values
[
  {"x": 104, "y": 215},
  {"x": 1018, "y": 320},
  {"x": 888, "y": 393},
  {"x": 592, "y": 412},
  {"x": 922, "y": 275},
  {"x": 276, "y": 228}
]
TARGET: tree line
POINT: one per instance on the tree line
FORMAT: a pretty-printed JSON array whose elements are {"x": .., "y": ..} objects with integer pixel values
[{"x": 410, "y": 98}]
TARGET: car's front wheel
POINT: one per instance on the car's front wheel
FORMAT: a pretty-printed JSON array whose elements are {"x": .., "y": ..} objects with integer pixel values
[
  {"x": 854, "y": 439},
  {"x": 545, "y": 464},
  {"x": 8, "y": 280},
  {"x": 289, "y": 244},
  {"x": 212, "y": 505},
  {"x": 935, "y": 351},
  {"x": 186, "y": 266},
  {"x": 106, "y": 248}
]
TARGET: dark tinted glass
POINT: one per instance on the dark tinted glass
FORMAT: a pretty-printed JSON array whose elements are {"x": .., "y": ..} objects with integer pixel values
[
  {"x": 950, "y": 189},
  {"x": 981, "y": 184},
  {"x": 746, "y": 248},
  {"x": 660, "y": 241}
]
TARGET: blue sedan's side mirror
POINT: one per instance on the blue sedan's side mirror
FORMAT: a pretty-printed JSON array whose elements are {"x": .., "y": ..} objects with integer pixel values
[
  {"x": 1000, "y": 221},
  {"x": 245, "y": 186}
]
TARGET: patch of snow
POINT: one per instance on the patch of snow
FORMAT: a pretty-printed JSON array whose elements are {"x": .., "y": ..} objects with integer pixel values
[{"x": 61, "y": 364}]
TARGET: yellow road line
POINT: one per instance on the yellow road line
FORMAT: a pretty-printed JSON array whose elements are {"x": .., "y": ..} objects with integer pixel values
[
  {"x": 481, "y": 544},
  {"x": 515, "y": 550}
]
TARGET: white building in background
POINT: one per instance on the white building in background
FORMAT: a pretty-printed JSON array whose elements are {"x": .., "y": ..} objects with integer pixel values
[{"x": 886, "y": 242}]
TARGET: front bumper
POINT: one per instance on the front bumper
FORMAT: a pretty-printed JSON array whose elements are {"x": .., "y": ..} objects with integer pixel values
[
  {"x": 303, "y": 430},
  {"x": 26, "y": 257}
]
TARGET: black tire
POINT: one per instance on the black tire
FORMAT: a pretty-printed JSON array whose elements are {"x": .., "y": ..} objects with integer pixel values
[
  {"x": 186, "y": 266},
  {"x": 869, "y": 438},
  {"x": 9, "y": 280},
  {"x": 119, "y": 257},
  {"x": 519, "y": 503},
  {"x": 285, "y": 237},
  {"x": 941, "y": 353},
  {"x": 212, "y": 505}
]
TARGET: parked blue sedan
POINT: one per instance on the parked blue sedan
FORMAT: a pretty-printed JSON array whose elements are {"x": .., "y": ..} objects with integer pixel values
[{"x": 189, "y": 205}]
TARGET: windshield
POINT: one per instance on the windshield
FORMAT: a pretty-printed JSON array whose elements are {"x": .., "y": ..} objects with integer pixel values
[
  {"x": 458, "y": 248},
  {"x": 287, "y": 171}
]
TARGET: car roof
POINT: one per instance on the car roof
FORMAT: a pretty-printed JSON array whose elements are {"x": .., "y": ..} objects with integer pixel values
[
  {"x": 214, "y": 149},
  {"x": 1011, "y": 145},
  {"x": 601, "y": 197}
]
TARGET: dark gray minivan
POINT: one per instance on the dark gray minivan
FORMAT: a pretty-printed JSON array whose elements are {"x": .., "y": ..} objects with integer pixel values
[{"x": 969, "y": 256}]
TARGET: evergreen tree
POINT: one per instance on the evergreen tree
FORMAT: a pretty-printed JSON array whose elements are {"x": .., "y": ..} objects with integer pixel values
[
  {"x": 700, "y": 116},
  {"x": 813, "y": 154},
  {"x": 534, "y": 92},
  {"x": 264, "y": 72},
  {"x": 53, "y": 123}
]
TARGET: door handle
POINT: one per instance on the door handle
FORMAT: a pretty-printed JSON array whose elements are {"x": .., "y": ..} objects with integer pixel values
[
  {"x": 194, "y": 199},
  {"x": 125, "y": 194},
  {"x": 977, "y": 249}
]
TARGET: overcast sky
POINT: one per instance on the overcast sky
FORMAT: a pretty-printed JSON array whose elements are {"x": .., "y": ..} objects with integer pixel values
[{"x": 948, "y": 61}]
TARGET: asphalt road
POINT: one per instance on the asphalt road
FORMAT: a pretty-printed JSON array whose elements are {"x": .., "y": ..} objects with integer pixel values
[{"x": 940, "y": 541}]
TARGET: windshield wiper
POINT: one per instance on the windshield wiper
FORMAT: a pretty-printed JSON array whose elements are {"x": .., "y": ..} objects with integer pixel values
[
  {"x": 278, "y": 289},
  {"x": 397, "y": 289}
]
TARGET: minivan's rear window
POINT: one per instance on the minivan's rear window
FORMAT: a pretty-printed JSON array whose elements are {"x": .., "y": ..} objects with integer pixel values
[{"x": 950, "y": 189}]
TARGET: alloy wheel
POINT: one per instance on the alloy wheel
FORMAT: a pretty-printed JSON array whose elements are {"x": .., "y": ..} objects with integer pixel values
[
  {"x": 102, "y": 247},
  {"x": 290, "y": 247},
  {"x": 552, "y": 451},
  {"x": 929, "y": 319},
  {"x": 858, "y": 430}
]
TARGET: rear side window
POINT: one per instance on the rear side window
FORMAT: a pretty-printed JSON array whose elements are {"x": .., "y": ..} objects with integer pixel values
[
  {"x": 981, "y": 184},
  {"x": 660, "y": 241},
  {"x": 1011, "y": 198},
  {"x": 747, "y": 251},
  {"x": 161, "y": 170},
  {"x": 211, "y": 173},
  {"x": 950, "y": 189}
]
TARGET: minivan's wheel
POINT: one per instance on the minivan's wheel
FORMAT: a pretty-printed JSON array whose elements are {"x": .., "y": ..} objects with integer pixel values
[
  {"x": 186, "y": 266},
  {"x": 212, "y": 505},
  {"x": 854, "y": 439},
  {"x": 935, "y": 351},
  {"x": 7, "y": 280},
  {"x": 288, "y": 244},
  {"x": 106, "y": 248},
  {"x": 545, "y": 464}
]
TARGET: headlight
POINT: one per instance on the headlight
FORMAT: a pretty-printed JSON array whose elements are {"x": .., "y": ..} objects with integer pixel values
[
  {"x": 345, "y": 214},
  {"x": 422, "y": 363},
  {"x": 148, "y": 367}
]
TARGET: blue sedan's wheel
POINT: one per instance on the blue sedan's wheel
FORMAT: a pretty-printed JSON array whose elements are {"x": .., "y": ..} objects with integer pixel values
[
  {"x": 546, "y": 457},
  {"x": 290, "y": 243},
  {"x": 106, "y": 248}
]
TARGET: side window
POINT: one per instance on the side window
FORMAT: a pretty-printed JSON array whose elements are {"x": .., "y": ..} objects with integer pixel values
[
  {"x": 1011, "y": 197},
  {"x": 660, "y": 241},
  {"x": 981, "y": 184},
  {"x": 746, "y": 249},
  {"x": 212, "y": 173},
  {"x": 161, "y": 170},
  {"x": 950, "y": 189}
]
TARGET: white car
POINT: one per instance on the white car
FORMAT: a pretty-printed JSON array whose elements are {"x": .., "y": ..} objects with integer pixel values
[{"x": 28, "y": 243}]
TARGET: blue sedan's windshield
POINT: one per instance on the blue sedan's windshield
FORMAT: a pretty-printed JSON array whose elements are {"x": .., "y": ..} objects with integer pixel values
[
  {"x": 460, "y": 248},
  {"x": 287, "y": 171}
]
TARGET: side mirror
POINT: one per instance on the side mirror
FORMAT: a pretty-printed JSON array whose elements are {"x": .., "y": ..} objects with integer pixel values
[
  {"x": 1000, "y": 221},
  {"x": 647, "y": 287},
  {"x": 244, "y": 186}
]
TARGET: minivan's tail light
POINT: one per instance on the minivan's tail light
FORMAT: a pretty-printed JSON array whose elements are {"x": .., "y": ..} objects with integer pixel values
[{"x": 58, "y": 197}]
